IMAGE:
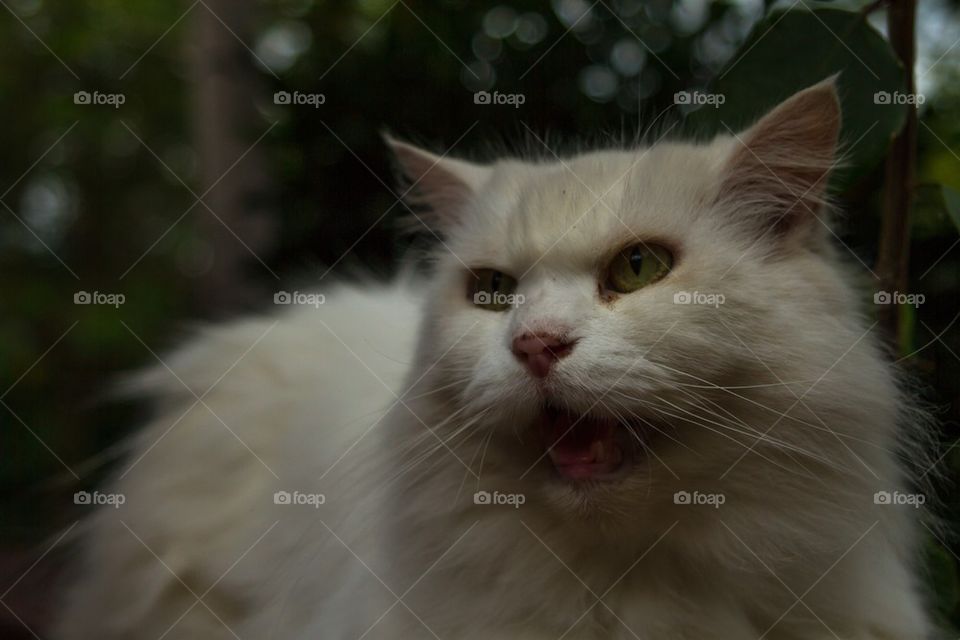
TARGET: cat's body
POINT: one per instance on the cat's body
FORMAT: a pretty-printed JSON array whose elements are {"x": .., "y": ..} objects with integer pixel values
[{"x": 772, "y": 411}]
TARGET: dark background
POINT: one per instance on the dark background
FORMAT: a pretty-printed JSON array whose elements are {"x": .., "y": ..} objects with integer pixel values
[{"x": 199, "y": 196}]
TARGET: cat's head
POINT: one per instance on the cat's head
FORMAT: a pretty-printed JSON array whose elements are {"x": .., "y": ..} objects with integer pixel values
[{"x": 613, "y": 316}]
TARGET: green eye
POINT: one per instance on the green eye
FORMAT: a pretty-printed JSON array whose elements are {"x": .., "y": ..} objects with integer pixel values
[
  {"x": 638, "y": 266},
  {"x": 492, "y": 290}
]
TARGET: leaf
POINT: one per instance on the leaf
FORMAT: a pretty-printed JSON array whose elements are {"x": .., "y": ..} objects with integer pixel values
[
  {"x": 951, "y": 200},
  {"x": 791, "y": 50}
]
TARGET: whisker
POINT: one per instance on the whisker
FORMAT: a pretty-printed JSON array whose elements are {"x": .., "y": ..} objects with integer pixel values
[{"x": 710, "y": 385}]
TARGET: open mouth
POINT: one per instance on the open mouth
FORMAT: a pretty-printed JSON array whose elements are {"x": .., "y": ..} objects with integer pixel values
[{"x": 584, "y": 446}]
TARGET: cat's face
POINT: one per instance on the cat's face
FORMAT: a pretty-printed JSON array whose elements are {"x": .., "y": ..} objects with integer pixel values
[{"x": 591, "y": 308}]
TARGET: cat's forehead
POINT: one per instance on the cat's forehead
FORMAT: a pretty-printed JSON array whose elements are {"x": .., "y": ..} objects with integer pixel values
[{"x": 579, "y": 207}]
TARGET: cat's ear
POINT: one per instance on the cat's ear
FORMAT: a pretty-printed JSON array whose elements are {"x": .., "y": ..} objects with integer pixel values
[
  {"x": 777, "y": 170},
  {"x": 437, "y": 188}
]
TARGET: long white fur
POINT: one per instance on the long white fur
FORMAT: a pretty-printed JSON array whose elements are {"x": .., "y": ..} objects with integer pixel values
[{"x": 399, "y": 402}]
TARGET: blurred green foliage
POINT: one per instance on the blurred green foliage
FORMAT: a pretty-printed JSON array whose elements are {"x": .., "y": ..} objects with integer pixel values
[{"x": 92, "y": 199}]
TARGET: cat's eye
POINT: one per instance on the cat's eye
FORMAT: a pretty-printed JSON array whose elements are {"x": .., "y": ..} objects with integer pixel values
[
  {"x": 637, "y": 266},
  {"x": 492, "y": 290}
]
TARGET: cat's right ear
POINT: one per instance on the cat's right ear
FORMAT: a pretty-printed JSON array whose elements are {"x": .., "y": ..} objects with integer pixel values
[
  {"x": 437, "y": 188},
  {"x": 778, "y": 168}
]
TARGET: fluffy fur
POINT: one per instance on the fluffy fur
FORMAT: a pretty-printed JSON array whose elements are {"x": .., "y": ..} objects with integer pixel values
[{"x": 398, "y": 403}]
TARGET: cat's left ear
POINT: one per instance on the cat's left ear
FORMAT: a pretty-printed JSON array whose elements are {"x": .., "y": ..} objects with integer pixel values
[
  {"x": 777, "y": 169},
  {"x": 441, "y": 187}
]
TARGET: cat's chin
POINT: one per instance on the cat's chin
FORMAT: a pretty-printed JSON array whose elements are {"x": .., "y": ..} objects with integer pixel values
[{"x": 587, "y": 447}]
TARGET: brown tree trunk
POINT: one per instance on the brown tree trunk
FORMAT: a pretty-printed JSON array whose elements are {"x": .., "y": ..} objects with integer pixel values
[
  {"x": 225, "y": 124},
  {"x": 893, "y": 260}
]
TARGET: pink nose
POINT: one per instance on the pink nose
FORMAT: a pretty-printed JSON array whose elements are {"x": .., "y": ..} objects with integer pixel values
[{"x": 538, "y": 351}]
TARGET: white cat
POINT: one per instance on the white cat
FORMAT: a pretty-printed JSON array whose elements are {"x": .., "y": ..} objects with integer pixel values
[{"x": 636, "y": 398}]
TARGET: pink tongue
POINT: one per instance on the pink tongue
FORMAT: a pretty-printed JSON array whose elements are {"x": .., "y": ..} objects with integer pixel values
[{"x": 581, "y": 447}]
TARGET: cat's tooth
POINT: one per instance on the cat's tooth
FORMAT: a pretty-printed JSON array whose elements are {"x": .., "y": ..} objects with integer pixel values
[
  {"x": 617, "y": 456},
  {"x": 596, "y": 451}
]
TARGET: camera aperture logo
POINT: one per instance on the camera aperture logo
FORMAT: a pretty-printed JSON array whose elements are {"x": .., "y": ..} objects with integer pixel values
[
  {"x": 96, "y": 297},
  {"x": 299, "y": 297},
  {"x": 96, "y": 498},
  {"x": 699, "y": 99},
  {"x": 297, "y": 498},
  {"x": 97, "y": 98},
  {"x": 697, "y": 297},
  {"x": 485, "y": 297},
  {"x": 696, "y": 498},
  {"x": 898, "y": 498},
  {"x": 497, "y": 98},
  {"x": 499, "y": 499},
  {"x": 895, "y": 297},
  {"x": 297, "y": 98}
]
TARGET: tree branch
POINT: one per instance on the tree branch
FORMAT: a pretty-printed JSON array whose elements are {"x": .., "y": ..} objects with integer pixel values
[{"x": 894, "y": 245}]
